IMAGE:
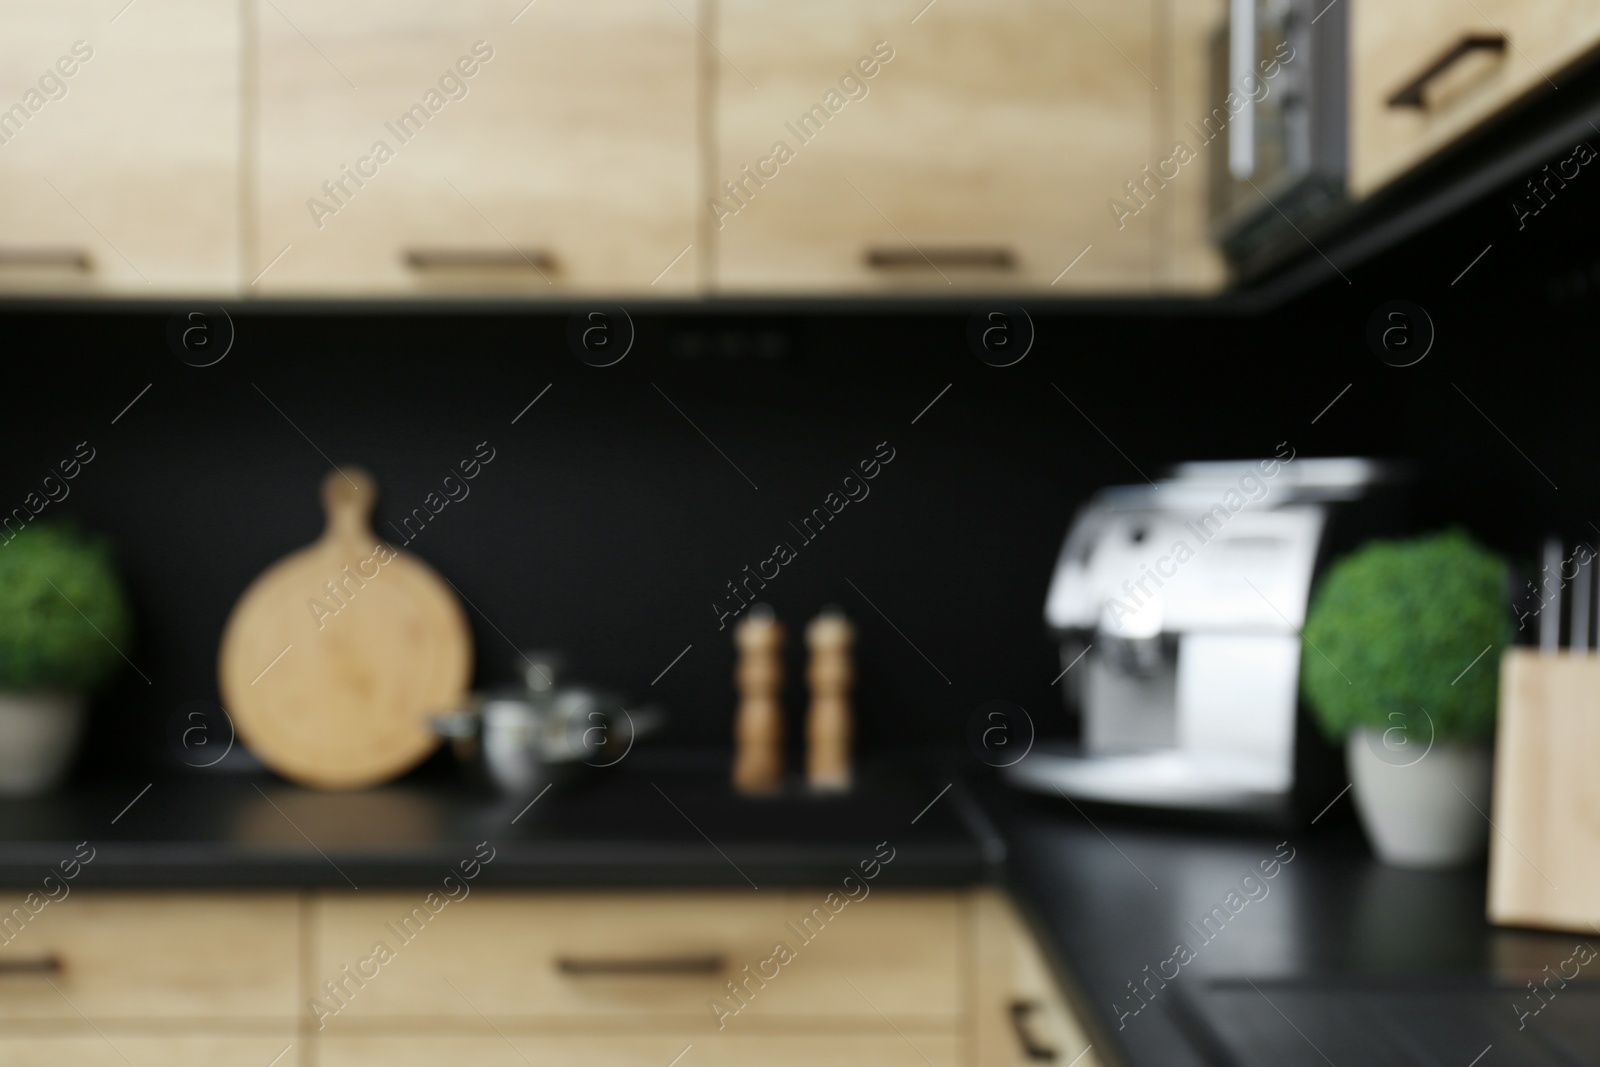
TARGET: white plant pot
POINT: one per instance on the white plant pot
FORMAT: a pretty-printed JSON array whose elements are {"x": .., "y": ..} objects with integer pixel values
[
  {"x": 39, "y": 733},
  {"x": 1425, "y": 808}
]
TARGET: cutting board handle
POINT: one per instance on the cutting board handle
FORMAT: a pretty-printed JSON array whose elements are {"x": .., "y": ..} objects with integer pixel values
[{"x": 347, "y": 499}]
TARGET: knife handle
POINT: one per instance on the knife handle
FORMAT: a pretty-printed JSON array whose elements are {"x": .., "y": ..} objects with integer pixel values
[{"x": 1550, "y": 615}]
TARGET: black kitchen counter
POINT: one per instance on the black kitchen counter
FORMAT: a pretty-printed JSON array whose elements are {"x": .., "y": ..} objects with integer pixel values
[
  {"x": 1333, "y": 942},
  {"x": 632, "y": 825},
  {"x": 1337, "y": 959}
]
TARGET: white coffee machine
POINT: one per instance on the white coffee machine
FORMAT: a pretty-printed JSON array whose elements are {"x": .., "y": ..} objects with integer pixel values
[{"x": 1178, "y": 607}]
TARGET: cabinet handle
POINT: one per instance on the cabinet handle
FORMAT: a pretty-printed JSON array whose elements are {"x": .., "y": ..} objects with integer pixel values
[
  {"x": 536, "y": 259},
  {"x": 74, "y": 259},
  {"x": 662, "y": 965},
  {"x": 997, "y": 257},
  {"x": 1020, "y": 1010},
  {"x": 1410, "y": 94},
  {"x": 40, "y": 965}
]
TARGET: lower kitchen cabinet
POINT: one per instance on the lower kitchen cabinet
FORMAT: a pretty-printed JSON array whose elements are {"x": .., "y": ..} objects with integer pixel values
[
  {"x": 116, "y": 1050},
  {"x": 662, "y": 957},
  {"x": 1022, "y": 1017},
  {"x": 178, "y": 958},
  {"x": 339, "y": 979},
  {"x": 512, "y": 1050}
]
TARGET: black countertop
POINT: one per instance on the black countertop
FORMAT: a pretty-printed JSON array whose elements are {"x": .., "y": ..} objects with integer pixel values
[
  {"x": 632, "y": 825},
  {"x": 1110, "y": 894},
  {"x": 1330, "y": 950}
]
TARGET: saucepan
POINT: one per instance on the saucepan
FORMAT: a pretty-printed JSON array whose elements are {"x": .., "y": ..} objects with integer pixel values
[{"x": 520, "y": 740}]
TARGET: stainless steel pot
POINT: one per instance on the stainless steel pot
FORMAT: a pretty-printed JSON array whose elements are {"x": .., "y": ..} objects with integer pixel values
[{"x": 518, "y": 741}]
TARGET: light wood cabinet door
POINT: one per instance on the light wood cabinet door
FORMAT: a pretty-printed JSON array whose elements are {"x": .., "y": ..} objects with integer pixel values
[
  {"x": 472, "y": 149},
  {"x": 715, "y": 1050},
  {"x": 1187, "y": 258},
  {"x": 658, "y": 958},
  {"x": 1392, "y": 44},
  {"x": 159, "y": 957},
  {"x": 978, "y": 154},
  {"x": 119, "y": 147},
  {"x": 1021, "y": 1017},
  {"x": 120, "y": 1050}
]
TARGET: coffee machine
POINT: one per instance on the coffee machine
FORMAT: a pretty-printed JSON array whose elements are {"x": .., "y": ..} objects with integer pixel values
[{"x": 1178, "y": 607}]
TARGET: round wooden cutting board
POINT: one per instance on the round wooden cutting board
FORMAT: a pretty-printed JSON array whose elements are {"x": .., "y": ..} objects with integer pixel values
[{"x": 336, "y": 656}]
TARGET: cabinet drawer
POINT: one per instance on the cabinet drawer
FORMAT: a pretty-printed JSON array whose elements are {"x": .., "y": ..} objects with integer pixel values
[
  {"x": 1392, "y": 44},
  {"x": 177, "y": 956},
  {"x": 716, "y": 1050},
  {"x": 638, "y": 958},
  {"x": 121, "y": 1051}
]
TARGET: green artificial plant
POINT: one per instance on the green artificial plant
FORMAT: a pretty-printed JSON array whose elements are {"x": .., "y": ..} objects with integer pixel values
[
  {"x": 63, "y": 610},
  {"x": 1392, "y": 629}
]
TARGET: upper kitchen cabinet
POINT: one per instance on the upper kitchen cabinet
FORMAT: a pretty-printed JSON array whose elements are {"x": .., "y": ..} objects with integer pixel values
[
  {"x": 119, "y": 147},
  {"x": 411, "y": 147},
  {"x": 1424, "y": 72},
  {"x": 885, "y": 146}
]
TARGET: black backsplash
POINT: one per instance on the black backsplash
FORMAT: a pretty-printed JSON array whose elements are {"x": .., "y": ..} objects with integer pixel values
[{"x": 607, "y": 524}]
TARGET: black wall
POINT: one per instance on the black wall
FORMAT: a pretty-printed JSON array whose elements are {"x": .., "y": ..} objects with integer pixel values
[{"x": 607, "y": 525}]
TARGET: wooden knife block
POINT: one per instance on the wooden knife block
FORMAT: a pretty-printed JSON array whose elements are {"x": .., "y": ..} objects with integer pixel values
[{"x": 1544, "y": 852}]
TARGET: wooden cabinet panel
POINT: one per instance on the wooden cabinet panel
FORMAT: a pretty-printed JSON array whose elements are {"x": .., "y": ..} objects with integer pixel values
[
  {"x": 994, "y": 133},
  {"x": 716, "y": 1050},
  {"x": 548, "y": 155},
  {"x": 898, "y": 953},
  {"x": 1392, "y": 43},
  {"x": 556, "y": 956},
  {"x": 1187, "y": 259},
  {"x": 906, "y": 977},
  {"x": 1019, "y": 1003},
  {"x": 121, "y": 177},
  {"x": 175, "y": 957},
  {"x": 190, "y": 153},
  {"x": 121, "y": 1051}
]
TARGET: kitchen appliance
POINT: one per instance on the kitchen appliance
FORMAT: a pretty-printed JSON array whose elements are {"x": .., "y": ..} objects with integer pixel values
[
  {"x": 1276, "y": 128},
  {"x": 518, "y": 741},
  {"x": 1178, "y": 607}
]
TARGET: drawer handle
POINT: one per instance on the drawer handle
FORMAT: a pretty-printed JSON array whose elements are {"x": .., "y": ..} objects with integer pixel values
[
  {"x": 537, "y": 259},
  {"x": 1031, "y": 1047},
  {"x": 73, "y": 259},
  {"x": 662, "y": 965},
  {"x": 1410, "y": 95},
  {"x": 997, "y": 257},
  {"x": 40, "y": 965}
]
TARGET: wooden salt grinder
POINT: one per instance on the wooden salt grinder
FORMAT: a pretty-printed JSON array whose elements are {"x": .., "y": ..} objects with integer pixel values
[
  {"x": 758, "y": 724},
  {"x": 828, "y": 725}
]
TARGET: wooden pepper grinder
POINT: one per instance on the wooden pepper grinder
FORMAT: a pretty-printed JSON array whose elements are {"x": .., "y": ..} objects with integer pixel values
[
  {"x": 758, "y": 725},
  {"x": 828, "y": 726}
]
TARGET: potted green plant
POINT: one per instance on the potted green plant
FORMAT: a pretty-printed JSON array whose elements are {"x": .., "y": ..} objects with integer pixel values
[
  {"x": 63, "y": 618},
  {"x": 1399, "y": 663}
]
